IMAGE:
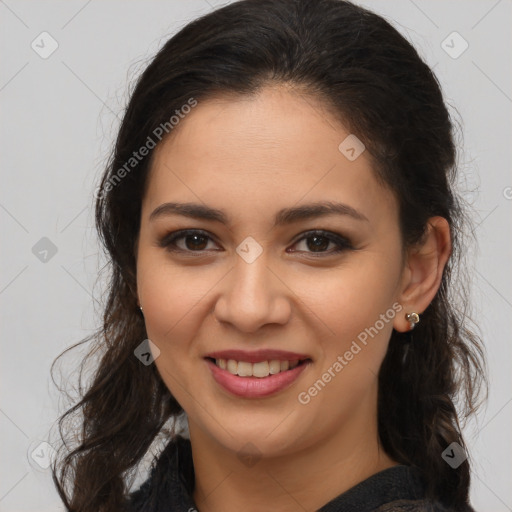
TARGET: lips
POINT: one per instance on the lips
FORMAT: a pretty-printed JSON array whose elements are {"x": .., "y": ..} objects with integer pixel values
[{"x": 258, "y": 373}]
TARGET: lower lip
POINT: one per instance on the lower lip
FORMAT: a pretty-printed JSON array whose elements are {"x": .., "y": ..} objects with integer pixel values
[{"x": 255, "y": 387}]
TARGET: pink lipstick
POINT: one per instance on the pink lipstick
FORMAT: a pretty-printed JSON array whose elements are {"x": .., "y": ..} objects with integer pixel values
[{"x": 256, "y": 374}]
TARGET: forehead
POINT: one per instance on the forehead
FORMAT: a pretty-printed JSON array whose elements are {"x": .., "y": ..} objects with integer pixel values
[{"x": 263, "y": 151}]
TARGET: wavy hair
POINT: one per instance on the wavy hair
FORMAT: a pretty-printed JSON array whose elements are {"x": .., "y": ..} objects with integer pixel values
[{"x": 375, "y": 82}]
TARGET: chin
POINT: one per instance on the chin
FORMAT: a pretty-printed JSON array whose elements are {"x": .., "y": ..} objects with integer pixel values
[{"x": 263, "y": 436}]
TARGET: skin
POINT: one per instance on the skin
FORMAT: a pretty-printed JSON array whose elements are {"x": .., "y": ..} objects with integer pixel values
[{"x": 250, "y": 157}]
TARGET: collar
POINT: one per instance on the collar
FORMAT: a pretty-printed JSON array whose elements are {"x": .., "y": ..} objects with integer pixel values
[{"x": 171, "y": 484}]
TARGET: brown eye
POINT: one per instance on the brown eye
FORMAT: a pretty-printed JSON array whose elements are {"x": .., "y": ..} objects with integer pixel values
[
  {"x": 317, "y": 242},
  {"x": 193, "y": 241}
]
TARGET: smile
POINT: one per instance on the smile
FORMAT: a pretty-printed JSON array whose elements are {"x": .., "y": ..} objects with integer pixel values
[{"x": 255, "y": 380}]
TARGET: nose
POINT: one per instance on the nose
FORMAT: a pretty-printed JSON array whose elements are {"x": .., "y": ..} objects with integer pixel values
[{"x": 253, "y": 295}]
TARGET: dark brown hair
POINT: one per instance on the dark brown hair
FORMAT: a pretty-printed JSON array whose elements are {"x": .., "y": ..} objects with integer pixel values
[{"x": 375, "y": 82}]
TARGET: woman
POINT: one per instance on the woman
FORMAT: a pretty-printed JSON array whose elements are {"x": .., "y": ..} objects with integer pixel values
[{"x": 279, "y": 205}]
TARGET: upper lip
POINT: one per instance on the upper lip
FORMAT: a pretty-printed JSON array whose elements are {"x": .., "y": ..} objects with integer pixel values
[{"x": 256, "y": 356}]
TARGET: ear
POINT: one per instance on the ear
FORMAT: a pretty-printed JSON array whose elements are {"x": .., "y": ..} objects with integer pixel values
[{"x": 423, "y": 271}]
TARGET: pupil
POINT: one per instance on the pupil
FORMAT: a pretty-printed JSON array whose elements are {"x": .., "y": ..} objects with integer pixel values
[
  {"x": 195, "y": 244},
  {"x": 320, "y": 242}
]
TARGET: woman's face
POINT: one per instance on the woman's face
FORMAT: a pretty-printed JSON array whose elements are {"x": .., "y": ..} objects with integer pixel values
[{"x": 257, "y": 281}]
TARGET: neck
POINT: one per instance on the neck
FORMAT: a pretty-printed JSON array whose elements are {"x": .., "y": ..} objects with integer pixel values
[{"x": 305, "y": 479}]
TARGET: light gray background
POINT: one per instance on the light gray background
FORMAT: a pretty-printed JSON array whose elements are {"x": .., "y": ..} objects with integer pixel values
[{"x": 59, "y": 116}]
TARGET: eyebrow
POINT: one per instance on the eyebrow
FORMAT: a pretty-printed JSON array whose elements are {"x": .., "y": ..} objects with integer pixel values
[{"x": 284, "y": 216}]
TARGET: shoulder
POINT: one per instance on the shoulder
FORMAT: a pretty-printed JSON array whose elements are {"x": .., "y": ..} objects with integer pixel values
[
  {"x": 396, "y": 489},
  {"x": 170, "y": 482}
]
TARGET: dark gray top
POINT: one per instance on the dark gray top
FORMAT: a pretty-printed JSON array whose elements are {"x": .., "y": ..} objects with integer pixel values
[{"x": 170, "y": 485}]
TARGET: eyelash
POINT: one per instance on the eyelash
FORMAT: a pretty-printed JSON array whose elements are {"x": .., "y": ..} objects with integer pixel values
[{"x": 343, "y": 244}]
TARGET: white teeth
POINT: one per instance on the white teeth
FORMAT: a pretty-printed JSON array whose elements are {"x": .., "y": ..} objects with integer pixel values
[
  {"x": 261, "y": 369},
  {"x": 232, "y": 366},
  {"x": 244, "y": 369},
  {"x": 274, "y": 367}
]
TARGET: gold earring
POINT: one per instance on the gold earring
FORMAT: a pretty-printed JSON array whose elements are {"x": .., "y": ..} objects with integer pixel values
[{"x": 413, "y": 319}]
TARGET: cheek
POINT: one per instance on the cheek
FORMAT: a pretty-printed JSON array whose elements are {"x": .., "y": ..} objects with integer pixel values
[
  {"x": 168, "y": 297},
  {"x": 356, "y": 310},
  {"x": 353, "y": 306},
  {"x": 175, "y": 301}
]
